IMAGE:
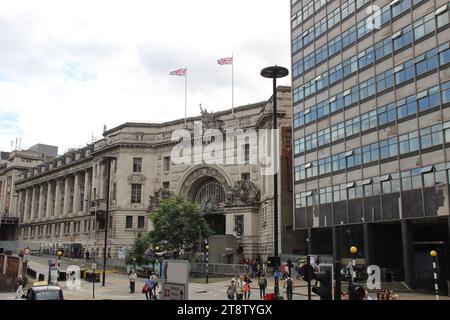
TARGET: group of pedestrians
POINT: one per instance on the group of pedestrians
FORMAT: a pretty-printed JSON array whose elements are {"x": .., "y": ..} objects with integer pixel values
[
  {"x": 150, "y": 287},
  {"x": 240, "y": 287}
]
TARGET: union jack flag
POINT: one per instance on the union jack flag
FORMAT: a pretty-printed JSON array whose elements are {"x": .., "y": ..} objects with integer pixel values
[
  {"x": 179, "y": 72},
  {"x": 223, "y": 61}
]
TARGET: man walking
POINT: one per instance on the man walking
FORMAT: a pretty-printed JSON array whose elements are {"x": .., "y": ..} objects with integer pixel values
[
  {"x": 132, "y": 278},
  {"x": 262, "y": 281},
  {"x": 289, "y": 285}
]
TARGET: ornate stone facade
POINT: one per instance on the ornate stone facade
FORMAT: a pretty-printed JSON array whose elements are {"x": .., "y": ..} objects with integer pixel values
[{"x": 60, "y": 201}]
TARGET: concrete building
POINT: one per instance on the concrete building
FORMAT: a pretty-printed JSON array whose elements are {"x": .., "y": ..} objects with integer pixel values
[
  {"x": 48, "y": 150},
  {"x": 371, "y": 132},
  {"x": 59, "y": 200}
]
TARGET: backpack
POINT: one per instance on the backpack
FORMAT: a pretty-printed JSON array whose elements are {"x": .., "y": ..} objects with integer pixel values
[{"x": 262, "y": 282}]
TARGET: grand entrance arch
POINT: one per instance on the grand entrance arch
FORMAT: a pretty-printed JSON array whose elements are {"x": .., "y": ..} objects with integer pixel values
[{"x": 207, "y": 187}]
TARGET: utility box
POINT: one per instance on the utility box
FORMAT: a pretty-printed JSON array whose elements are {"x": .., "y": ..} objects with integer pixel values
[{"x": 222, "y": 249}]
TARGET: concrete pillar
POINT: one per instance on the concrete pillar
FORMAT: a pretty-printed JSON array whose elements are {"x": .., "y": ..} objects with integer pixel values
[
  {"x": 408, "y": 253},
  {"x": 41, "y": 208},
  {"x": 87, "y": 189},
  {"x": 66, "y": 195},
  {"x": 57, "y": 209},
  {"x": 76, "y": 194},
  {"x": 336, "y": 243},
  {"x": 368, "y": 243},
  {"x": 49, "y": 208},
  {"x": 33, "y": 204}
]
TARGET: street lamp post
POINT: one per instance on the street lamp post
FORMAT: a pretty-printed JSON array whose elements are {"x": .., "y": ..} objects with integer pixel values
[
  {"x": 434, "y": 254},
  {"x": 275, "y": 72},
  {"x": 207, "y": 259},
  {"x": 108, "y": 158},
  {"x": 353, "y": 251}
]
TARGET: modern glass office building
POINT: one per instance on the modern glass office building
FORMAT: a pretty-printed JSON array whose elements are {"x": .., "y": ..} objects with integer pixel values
[{"x": 371, "y": 98}]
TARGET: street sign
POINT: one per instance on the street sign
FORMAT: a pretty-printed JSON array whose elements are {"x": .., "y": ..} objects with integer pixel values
[
  {"x": 174, "y": 291},
  {"x": 174, "y": 279},
  {"x": 94, "y": 266},
  {"x": 27, "y": 251}
]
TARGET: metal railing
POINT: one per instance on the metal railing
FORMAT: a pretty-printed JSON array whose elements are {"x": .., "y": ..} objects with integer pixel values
[{"x": 221, "y": 269}]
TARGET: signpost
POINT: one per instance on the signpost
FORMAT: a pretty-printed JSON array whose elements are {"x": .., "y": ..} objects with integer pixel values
[
  {"x": 94, "y": 267},
  {"x": 174, "y": 277},
  {"x": 174, "y": 291}
]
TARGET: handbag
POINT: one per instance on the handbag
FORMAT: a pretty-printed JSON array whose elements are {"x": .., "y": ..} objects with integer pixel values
[{"x": 145, "y": 288}]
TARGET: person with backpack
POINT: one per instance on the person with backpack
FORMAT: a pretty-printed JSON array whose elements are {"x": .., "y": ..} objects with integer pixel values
[
  {"x": 262, "y": 281},
  {"x": 289, "y": 286},
  {"x": 231, "y": 291},
  {"x": 148, "y": 288}
]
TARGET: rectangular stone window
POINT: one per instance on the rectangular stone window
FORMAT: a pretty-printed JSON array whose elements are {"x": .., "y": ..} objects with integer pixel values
[
  {"x": 137, "y": 165},
  {"x": 129, "y": 222},
  {"x": 136, "y": 193},
  {"x": 141, "y": 222},
  {"x": 166, "y": 164}
]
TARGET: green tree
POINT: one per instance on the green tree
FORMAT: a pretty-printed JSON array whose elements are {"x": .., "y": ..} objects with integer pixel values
[
  {"x": 176, "y": 224},
  {"x": 140, "y": 246}
]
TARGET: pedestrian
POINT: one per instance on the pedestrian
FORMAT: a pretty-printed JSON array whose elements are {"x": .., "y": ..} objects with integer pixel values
[
  {"x": 247, "y": 282},
  {"x": 262, "y": 281},
  {"x": 19, "y": 287},
  {"x": 132, "y": 277},
  {"x": 240, "y": 288},
  {"x": 289, "y": 285},
  {"x": 289, "y": 265},
  {"x": 155, "y": 286},
  {"x": 231, "y": 291},
  {"x": 148, "y": 288}
]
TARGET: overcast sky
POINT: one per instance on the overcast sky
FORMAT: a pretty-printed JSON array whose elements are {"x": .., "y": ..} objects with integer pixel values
[{"x": 68, "y": 67}]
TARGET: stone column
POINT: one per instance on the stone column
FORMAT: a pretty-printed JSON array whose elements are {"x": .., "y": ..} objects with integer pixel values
[
  {"x": 33, "y": 204},
  {"x": 87, "y": 190},
  {"x": 48, "y": 209},
  {"x": 101, "y": 190},
  {"x": 76, "y": 194},
  {"x": 66, "y": 196},
  {"x": 41, "y": 208},
  {"x": 57, "y": 209},
  {"x": 27, "y": 206},
  {"x": 19, "y": 212}
]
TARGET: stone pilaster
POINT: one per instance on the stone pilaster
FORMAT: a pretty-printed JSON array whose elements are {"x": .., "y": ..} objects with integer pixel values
[{"x": 19, "y": 211}]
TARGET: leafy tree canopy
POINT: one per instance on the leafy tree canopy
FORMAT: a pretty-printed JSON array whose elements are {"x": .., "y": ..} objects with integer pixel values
[{"x": 176, "y": 224}]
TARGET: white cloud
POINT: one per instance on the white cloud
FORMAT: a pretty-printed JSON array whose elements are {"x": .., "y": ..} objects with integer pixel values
[{"x": 69, "y": 67}]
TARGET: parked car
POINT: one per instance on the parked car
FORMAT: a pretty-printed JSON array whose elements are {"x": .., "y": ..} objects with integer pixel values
[{"x": 42, "y": 291}]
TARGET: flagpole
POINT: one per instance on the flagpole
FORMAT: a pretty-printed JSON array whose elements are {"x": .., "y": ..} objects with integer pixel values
[
  {"x": 232, "y": 84},
  {"x": 185, "y": 99}
]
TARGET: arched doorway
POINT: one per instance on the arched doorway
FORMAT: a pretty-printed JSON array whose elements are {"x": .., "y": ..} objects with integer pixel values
[{"x": 209, "y": 196}]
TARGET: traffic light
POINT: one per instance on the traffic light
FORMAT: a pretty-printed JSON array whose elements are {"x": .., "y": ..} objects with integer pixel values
[{"x": 324, "y": 285}]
